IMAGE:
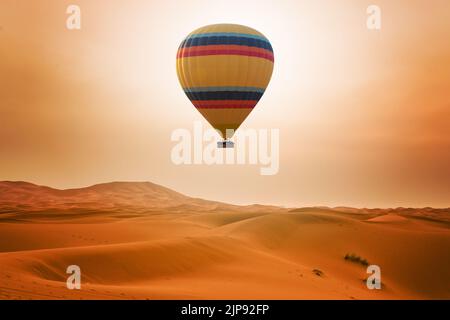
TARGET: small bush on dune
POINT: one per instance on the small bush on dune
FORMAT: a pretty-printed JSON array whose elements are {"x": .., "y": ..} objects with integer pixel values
[
  {"x": 357, "y": 259},
  {"x": 318, "y": 272}
]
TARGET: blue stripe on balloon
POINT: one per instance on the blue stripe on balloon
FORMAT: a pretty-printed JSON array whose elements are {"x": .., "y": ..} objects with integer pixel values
[
  {"x": 218, "y": 89},
  {"x": 227, "y": 34},
  {"x": 224, "y": 95},
  {"x": 226, "y": 40}
]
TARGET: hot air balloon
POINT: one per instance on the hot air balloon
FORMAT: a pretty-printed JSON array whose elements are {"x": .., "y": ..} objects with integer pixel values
[{"x": 224, "y": 70}]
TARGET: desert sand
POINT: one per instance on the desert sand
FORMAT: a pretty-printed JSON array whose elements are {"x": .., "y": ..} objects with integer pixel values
[{"x": 138, "y": 240}]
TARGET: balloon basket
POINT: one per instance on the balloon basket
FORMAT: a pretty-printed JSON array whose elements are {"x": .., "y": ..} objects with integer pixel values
[{"x": 225, "y": 144}]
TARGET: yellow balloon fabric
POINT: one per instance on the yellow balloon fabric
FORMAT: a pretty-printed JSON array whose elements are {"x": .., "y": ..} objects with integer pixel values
[{"x": 224, "y": 70}]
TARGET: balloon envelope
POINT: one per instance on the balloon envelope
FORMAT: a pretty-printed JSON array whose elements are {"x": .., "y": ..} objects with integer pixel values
[{"x": 224, "y": 70}]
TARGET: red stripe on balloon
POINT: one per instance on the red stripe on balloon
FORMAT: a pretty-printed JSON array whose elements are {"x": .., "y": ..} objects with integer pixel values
[
  {"x": 224, "y": 104},
  {"x": 225, "y": 50},
  {"x": 224, "y": 107}
]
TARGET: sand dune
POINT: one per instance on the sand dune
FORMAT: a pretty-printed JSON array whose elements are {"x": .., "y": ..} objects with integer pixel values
[
  {"x": 389, "y": 218},
  {"x": 144, "y": 241}
]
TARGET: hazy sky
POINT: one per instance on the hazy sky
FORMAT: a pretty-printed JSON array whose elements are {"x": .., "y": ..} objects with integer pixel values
[{"x": 364, "y": 116}]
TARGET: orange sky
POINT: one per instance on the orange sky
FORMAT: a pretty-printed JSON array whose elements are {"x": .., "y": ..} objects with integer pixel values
[{"x": 363, "y": 115}]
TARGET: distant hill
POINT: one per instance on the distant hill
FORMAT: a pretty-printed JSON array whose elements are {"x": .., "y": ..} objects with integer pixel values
[{"x": 19, "y": 196}]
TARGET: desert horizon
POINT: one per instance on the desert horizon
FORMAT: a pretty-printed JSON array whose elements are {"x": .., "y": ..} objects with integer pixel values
[
  {"x": 342, "y": 206},
  {"x": 139, "y": 240}
]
